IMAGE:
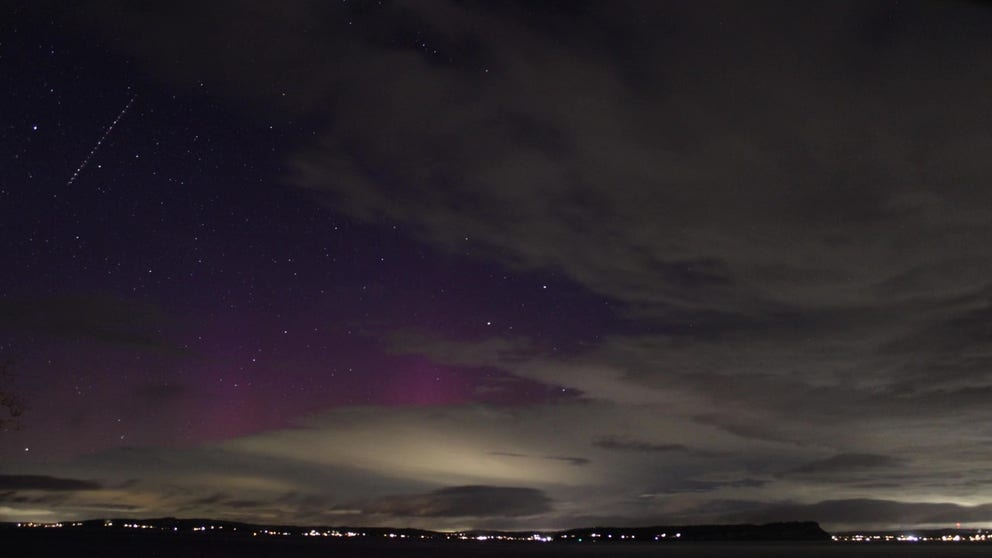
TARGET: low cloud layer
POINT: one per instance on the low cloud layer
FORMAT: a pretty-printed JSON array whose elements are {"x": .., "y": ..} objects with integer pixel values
[
  {"x": 44, "y": 483},
  {"x": 464, "y": 501},
  {"x": 443, "y": 469},
  {"x": 637, "y": 445},
  {"x": 848, "y": 462}
]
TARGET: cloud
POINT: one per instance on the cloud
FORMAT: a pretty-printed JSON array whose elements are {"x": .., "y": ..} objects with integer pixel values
[
  {"x": 219, "y": 503},
  {"x": 464, "y": 501},
  {"x": 613, "y": 443},
  {"x": 847, "y": 463},
  {"x": 692, "y": 485},
  {"x": 317, "y": 470},
  {"x": 577, "y": 461},
  {"x": 662, "y": 203},
  {"x": 335, "y": 469},
  {"x": 45, "y": 483},
  {"x": 784, "y": 221},
  {"x": 50, "y": 499}
]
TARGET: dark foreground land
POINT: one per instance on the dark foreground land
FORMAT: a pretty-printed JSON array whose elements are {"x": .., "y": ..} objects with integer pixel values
[{"x": 48, "y": 543}]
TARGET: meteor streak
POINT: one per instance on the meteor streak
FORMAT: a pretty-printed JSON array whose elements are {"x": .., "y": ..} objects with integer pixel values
[{"x": 100, "y": 141}]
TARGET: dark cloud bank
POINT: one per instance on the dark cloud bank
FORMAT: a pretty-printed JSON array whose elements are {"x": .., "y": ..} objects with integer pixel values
[
  {"x": 780, "y": 195},
  {"x": 464, "y": 501}
]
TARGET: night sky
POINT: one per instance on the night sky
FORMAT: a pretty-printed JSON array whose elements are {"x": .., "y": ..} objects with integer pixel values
[{"x": 457, "y": 264}]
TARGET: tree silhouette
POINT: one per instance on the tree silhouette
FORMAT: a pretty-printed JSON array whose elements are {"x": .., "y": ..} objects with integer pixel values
[{"x": 11, "y": 405}]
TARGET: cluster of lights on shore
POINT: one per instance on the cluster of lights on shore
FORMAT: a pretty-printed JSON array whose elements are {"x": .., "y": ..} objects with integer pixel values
[
  {"x": 452, "y": 536},
  {"x": 978, "y": 536},
  {"x": 311, "y": 533}
]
